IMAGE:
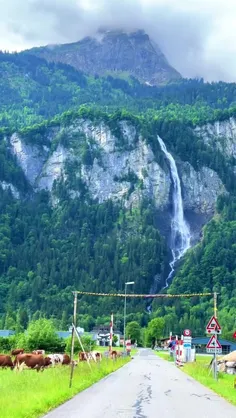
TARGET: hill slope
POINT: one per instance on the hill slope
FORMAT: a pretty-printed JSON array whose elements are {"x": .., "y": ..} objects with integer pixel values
[{"x": 33, "y": 90}]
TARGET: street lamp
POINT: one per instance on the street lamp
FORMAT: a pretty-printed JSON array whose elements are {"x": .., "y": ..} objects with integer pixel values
[{"x": 126, "y": 284}]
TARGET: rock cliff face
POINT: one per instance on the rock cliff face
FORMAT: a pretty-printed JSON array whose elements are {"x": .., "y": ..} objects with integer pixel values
[
  {"x": 114, "y": 52},
  {"x": 126, "y": 173},
  {"x": 221, "y": 135},
  {"x": 200, "y": 188},
  {"x": 31, "y": 158},
  {"x": 8, "y": 186}
]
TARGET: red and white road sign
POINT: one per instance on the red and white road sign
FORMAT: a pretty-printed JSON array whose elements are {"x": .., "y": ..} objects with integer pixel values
[
  {"x": 213, "y": 326},
  {"x": 234, "y": 335},
  {"x": 187, "y": 333},
  {"x": 128, "y": 345},
  {"x": 213, "y": 345}
]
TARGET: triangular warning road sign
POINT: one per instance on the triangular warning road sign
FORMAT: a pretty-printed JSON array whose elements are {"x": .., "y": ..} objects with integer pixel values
[
  {"x": 213, "y": 325},
  {"x": 213, "y": 343}
]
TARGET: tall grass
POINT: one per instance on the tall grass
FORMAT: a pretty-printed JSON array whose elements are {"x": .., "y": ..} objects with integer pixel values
[{"x": 29, "y": 394}]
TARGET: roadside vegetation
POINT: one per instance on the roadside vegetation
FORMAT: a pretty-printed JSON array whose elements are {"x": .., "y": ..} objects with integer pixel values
[
  {"x": 29, "y": 394},
  {"x": 200, "y": 372}
]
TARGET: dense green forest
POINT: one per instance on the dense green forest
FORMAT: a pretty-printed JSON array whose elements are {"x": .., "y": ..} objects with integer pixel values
[
  {"x": 47, "y": 251},
  {"x": 33, "y": 90}
]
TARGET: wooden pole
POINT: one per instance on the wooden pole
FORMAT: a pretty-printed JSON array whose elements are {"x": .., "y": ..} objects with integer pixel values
[
  {"x": 81, "y": 345},
  {"x": 111, "y": 333},
  {"x": 215, "y": 304},
  {"x": 73, "y": 339}
]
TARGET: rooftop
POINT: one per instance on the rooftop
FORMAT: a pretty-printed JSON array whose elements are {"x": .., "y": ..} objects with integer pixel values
[
  {"x": 204, "y": 341},
  {"x": 6, "y": 332}
]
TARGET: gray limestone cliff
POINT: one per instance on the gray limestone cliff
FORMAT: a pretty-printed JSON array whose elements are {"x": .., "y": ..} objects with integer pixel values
[
  {"x": 30, "y": 157},
  {"x": 200, "y": 188},
  {"x": 220, "y": 135},
  {"x": 126, "y": 173}
]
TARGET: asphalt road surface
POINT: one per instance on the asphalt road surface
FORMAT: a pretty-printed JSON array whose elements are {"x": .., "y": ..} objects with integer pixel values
[{"x": 147, "y": 387}]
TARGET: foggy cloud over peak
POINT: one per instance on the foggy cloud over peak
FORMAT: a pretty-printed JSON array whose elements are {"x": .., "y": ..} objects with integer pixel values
[{"x": 197, "y": 37}]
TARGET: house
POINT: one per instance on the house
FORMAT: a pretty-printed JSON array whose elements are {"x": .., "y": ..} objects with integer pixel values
[
  {"x": 200, "y": 344},
  {"x": 5, "y": 333},
  {"x": 101, "y": 335}
]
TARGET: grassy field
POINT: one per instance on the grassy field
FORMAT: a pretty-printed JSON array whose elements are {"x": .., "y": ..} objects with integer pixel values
[
  {"x": 29, "y": 394},
  {"x": 199, "y": 371}
]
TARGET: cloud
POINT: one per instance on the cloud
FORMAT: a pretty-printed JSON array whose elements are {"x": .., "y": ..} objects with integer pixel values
[{"x": 197, "y": 36}]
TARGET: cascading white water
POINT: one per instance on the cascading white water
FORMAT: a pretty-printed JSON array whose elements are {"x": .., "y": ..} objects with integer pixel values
[{"x": 180, "y": 232}]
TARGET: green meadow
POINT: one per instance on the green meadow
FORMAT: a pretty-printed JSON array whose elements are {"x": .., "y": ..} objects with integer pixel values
[{"x": 29, "y": 394}]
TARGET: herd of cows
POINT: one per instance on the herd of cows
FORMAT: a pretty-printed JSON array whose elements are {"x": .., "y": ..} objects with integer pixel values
[{"x": 37, "y": 360}]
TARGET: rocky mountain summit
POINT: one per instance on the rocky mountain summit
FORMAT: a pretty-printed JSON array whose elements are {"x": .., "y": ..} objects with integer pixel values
[{"x": 114, "y": 52}]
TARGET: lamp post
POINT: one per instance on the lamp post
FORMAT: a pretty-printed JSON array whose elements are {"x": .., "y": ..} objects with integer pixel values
[{"x": 126, "y": 284}]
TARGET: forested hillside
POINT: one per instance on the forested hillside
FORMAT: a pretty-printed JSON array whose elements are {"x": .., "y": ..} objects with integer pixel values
[
  {"x": 53, "y": 241},
  {"x": 33, "y": 90}
]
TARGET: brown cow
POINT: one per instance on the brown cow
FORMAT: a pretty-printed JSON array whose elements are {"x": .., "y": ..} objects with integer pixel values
[
  {"x": 83, "y": 356},
  {"x": 47, "y": 362},
  {"x": 6, "y": 361},
  {"x": 113, "y": 355},
  {"x": 98, "y": 356},
  {"x": 17, "y": 351},
  {"x": 32, "y": 361},
  {"x": 66, "y": 359}
]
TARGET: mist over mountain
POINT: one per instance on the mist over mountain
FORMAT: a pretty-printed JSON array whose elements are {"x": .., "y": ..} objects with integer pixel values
[
  {"x": 197, "y": 37},
  {"x": 114, "y": 52}
]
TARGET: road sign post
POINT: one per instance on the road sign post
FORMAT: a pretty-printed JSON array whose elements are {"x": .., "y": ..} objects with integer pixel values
[
  {"x": 213, "y": 328},
  {"x": 213, "y": 345}
]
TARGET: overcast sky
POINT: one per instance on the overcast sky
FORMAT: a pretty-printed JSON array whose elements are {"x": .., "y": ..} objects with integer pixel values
[{"x": 197, "y": 36}]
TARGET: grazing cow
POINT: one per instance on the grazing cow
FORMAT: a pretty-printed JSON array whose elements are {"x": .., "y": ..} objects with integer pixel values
[
  {"x": 95, "y": 355},
  {"x": 66, "y": 359},
  {"x": 17, "y": 351},
  {"x": 113, "y": 355},
  {"x": 55, "y": 359},
  {"x": 39, "y": 352},
  {"x": 32, "y": 361},
  {"x": 98, "y": 356},
  {"x": 6, "y": 361},
  {"x": 47, "y": 361},
  {"x": 59, "y": 359},
  {"x": 83, "y": 356}
]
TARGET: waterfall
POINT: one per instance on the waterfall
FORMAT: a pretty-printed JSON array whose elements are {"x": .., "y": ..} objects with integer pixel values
[{"x": 180, "y": 232}]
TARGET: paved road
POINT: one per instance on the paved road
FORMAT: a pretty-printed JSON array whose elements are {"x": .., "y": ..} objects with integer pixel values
[{"x": 147, "y": 387}]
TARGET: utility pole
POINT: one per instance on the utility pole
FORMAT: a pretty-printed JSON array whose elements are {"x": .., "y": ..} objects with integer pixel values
[
  {"x": 126, "y": 284},
  {"x": 73, "y": 338}
]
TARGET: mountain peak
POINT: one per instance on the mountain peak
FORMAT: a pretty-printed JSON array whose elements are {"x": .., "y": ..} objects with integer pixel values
[{"x": 114, "y": 52}]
